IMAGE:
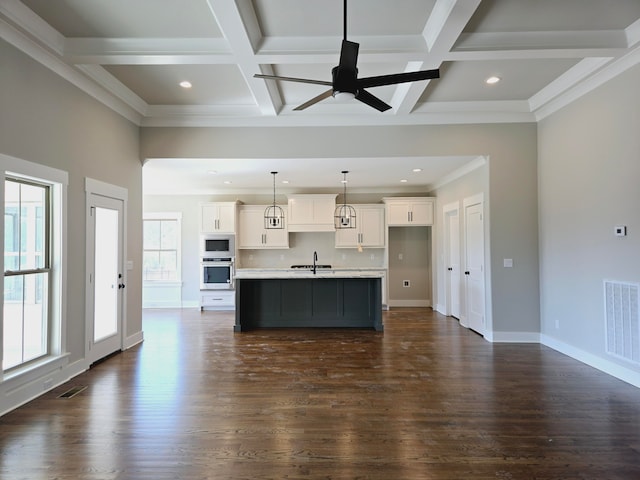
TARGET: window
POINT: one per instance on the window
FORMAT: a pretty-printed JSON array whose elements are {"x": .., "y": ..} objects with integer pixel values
[
  {"x": 161, "y": 256},
  {"x": 27, "y": 272}
]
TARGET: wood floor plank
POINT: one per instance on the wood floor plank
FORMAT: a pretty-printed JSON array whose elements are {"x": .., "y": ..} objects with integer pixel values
[{"x": 426, "y": 399}]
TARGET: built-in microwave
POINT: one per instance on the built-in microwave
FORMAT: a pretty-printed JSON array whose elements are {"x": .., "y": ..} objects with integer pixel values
[
  {"x": 217, "y": 245},
  {"x": 216, "y": 273}
]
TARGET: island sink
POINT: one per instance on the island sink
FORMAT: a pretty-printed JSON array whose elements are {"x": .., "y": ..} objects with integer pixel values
[
  {"x": 330, "y": 299},
  {"x": 310, "y": 267}
]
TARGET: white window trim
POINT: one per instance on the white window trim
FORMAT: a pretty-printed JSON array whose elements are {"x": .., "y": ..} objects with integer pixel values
[
  {"x": 167, "y": 216},
  {"x": 59, "y": 182}
]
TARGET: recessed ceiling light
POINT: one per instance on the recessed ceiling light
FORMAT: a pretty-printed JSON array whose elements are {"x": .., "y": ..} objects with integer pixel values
[
  {"x": 212, "y": 172},
  {"x": 416, "y": 170},
  {"x": 285, "y": 181},
  {"x": 185, "y": 84},
  {"x": 227, "y": 182},
  {"x": 492, "y": 80},
  {"x": 404, "y": 180}
]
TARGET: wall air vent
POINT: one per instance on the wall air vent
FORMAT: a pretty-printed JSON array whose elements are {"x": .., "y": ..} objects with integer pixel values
[{"x": 622, "y": 320}]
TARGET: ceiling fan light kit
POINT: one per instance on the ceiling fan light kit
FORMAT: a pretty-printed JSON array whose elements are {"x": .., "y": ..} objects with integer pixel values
[{"x": 346, "y": 85}]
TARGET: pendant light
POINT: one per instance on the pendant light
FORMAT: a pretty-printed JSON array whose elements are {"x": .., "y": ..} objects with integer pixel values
[
  {"x": 344, "y": 215},
  {"x": 273, "y": 214}
]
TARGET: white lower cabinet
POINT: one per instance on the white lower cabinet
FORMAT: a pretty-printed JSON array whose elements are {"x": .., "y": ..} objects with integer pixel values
[
  {"x": 251, "y": 231},
  {"x": 369, "y": 231},
  {"x": 218, "y": 299}
]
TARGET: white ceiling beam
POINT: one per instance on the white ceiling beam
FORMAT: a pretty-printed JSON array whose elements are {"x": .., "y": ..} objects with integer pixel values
[
  {"x": 237, "y": 21},
  {"x": 115, "y": 86},
  {"x": 32, "y": 24},
  {"x": 600, "y": 39},
  {"x": 148, "y": 51},
  {"x": 444, "y": 25},
  {"x": 33, "y": 48},
  {"x": 446, "y": 22},
  {"x": 632, "y": 33}
]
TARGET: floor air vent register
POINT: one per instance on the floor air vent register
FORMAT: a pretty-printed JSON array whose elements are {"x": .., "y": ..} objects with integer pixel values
[
  {"x": 72, "y": 392},
  {"x": 622, "y": 320}
]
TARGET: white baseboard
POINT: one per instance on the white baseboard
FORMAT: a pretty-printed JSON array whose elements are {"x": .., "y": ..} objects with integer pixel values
[
  {"x": 158, "y": 304},
  {"x": 15, "y": 393},
  {"x": 191, "y": 304},
  {"x": 615, "y": 370},
  {"x": 514, "y": 337},
  {"x": 133, "y": 340},
  {"x": 172, "y": 304},
  {"x": 409, "y": 303}
]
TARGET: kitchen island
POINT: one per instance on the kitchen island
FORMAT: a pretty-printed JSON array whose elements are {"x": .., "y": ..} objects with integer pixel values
[{"x": 328, "y": 298}]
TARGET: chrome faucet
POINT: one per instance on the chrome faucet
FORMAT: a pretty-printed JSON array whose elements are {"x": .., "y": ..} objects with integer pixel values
[{"x": 315, "y": 259}]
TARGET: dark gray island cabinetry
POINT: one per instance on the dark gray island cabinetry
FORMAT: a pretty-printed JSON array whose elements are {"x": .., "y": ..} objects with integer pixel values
[{"x": 323, "y": 301}]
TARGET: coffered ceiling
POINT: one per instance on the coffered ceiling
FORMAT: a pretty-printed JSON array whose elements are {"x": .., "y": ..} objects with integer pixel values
[{"x": 133, "y": 54}]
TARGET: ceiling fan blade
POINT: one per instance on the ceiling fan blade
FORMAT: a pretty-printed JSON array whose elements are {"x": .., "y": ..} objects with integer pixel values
[
  {"x": 349, "y": 55},
  {"x": 372, "y": 101},
  {"x": 315, "y": 100},
  {"x": 293, "y": 79},
  {"x": 368, "y": 82}
]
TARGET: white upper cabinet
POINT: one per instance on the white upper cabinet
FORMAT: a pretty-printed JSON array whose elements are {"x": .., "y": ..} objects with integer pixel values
[
  {"x": 218, "y": 217},
  {"x": 369, "y": 231},
  {"x": 251, "y": 231},
  {"x": 311, "y": 212},
  {"x": 402, "y": 211}
]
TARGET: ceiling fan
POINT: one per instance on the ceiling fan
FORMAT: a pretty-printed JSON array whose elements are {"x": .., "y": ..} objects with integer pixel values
[{"x": 345, "y": 78}]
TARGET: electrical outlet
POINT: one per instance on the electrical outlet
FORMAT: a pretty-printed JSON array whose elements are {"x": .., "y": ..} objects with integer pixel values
[
  {"x": 406, "y": 283},
  {"x": 400, "y": 256},
  {"x": 557, "y": 323},
  {"x": 621, "y": 230},
  {"x": 48, "y": 384},
  {"x": 373, "y": 257}
]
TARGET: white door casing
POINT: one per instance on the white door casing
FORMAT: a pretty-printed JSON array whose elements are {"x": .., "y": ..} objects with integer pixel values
[
  {"x": 474, "y": 264},
  {"x": 452, "y": 276},
  {"x": 105, "y": 273}
]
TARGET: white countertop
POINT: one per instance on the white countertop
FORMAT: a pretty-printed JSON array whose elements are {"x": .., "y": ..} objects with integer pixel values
[{"x": 356, "y": 272}]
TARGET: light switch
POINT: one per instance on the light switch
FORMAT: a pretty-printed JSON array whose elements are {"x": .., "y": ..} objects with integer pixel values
[
  {"x": 129, "y": 264},
  {"x": 508, "y": 262}
]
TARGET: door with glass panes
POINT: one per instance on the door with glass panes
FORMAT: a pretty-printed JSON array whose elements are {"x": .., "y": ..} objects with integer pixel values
[{"x": 106, "y": 276}]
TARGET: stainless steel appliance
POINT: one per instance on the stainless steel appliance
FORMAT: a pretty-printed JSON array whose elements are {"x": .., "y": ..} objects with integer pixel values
[
  {"x": 216, "y": 273},
  {"x": 214, "y": 245}
]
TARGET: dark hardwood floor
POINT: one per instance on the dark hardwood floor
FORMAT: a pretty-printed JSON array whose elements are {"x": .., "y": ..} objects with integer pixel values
[{"x": 426, "y": 399}]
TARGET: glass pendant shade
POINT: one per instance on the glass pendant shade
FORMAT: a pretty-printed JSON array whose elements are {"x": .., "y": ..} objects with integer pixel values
[
  {"x": 273, "y": 214},
  {"x": 344, "y": 215}
]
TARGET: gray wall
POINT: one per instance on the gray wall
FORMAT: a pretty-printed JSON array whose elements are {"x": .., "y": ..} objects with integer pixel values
[
  {"x": 589, "y": 173},
  {"x": 409, "y": 260},
  {"x": 46, "y": 120}
]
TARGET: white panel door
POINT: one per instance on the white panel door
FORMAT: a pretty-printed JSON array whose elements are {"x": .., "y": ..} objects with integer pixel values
[
  {"x": 106, "y": 276},
  {"x": 452, "y": 226},
  {"x": 474, "y": 270}
]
